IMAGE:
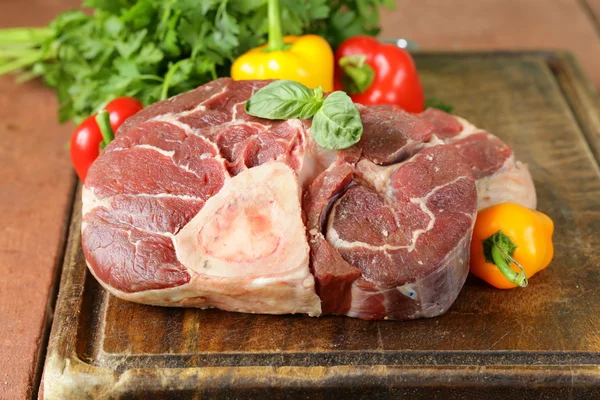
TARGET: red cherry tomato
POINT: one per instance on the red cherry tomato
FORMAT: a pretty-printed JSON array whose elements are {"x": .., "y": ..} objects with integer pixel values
[
  {"x": 85, "y": 146},
  {"x": 122, "y": 108},
  {"x": 86, "y": 140}
]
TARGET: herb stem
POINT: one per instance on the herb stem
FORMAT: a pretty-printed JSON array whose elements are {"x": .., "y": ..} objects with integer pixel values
[
  {"x": 16, "y": 52},
  {"x": 19, "y": 46},
  {"x": 26, "y": 76},
  {"x": 151, "y": 78},
  {"x": 164, "y": 93},
  {"x": 20, "y": 63},
  {"x": 25, "y": 35}
]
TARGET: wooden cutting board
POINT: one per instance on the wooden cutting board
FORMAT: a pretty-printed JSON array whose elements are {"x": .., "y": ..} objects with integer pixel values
[{"x": 539, "y": 342}]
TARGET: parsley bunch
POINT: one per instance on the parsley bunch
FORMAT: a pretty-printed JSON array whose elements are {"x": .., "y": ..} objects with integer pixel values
[{"x": 153, "y": 49}]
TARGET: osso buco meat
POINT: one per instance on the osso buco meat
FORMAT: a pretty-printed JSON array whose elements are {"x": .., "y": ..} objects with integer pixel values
[{"x": 198, "y": 204}]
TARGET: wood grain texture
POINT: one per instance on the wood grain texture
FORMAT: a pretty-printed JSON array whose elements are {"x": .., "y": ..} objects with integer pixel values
[
  {"x": 498, "y": 25},
  {"x": 586, "y": 101},
  {"x": 35, "y": 193},
  {"x": 539, "y": 342}
]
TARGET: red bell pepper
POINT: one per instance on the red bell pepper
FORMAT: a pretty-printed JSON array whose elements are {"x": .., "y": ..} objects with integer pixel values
[{"x": 375, "y": 73}]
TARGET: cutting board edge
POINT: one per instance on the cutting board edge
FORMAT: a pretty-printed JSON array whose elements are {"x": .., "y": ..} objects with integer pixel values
[
  {"x": 81, "y": 380},
  {"x": 583, "y": 97}
]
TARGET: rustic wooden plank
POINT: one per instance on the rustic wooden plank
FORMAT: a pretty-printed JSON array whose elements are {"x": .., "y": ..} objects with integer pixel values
[
  {"x": 498, "y": 25},
  {"x": 35, "y": 194},
  {"x": 586, "y": 101},
  {"x": 542, "y": 340}
]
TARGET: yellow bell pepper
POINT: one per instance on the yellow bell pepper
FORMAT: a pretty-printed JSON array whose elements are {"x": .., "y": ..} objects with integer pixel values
[
  {"x": 510, "y": 244},
  {"x": 306, "y": 59}
]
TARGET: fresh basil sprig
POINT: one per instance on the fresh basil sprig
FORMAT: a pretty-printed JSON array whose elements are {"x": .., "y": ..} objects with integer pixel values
[{"x": 336, "y": 121}]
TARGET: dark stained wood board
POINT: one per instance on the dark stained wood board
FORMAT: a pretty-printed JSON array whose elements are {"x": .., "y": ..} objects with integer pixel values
[{"x": 538, "y": 342}]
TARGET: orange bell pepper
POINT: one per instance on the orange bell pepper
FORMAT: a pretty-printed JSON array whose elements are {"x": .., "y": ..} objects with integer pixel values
[{"x": 510, "y": 244}]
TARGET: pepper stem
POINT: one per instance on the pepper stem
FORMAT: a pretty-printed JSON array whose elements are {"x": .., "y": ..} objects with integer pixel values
[
  {"x": 499, "y": 250},
  {"x": 103, "y": 121},
  {"x": 276, "y": 42},
  {"x": 358, "y": 76}
]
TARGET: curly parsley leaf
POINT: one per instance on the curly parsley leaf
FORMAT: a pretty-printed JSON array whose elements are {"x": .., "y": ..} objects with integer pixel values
[{"x": 152, "y": 49}]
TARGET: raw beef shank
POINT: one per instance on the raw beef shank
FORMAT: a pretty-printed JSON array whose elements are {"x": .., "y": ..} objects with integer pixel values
[{"x": 197, "y": 204}]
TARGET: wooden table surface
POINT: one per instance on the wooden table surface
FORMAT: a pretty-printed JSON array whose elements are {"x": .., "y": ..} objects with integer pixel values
[{"x": 36, "y": 182}]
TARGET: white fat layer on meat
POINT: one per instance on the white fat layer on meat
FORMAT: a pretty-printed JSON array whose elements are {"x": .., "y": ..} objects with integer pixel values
[
  {"x": 468, "y": 129},
  {"x": 252, "y": 233},
  {"x": 187, "y": 169},
  {"x": 154, "y": 297},
  {"x": 434, "y": 141},
  {"x": 170, "y": 154},
  {"x": 252, "y": 296},
  {"x": 89, "y": 201},
  {"x": 314, "y": 159},
  {"x": 337, "y": 242},
  {"x": 165, "y": 153},
  {"x": 168, "y": 196},
  {"x": 376, "y": 175},
  {"x": 234, "y": 110},
  {"x": 422, "y": 203},
  {"x": 173, "y": 119},
  {"x": 169, "y": 116},
  {"x": 325, "y": 157},
  {"x": 511, "y": 183}
]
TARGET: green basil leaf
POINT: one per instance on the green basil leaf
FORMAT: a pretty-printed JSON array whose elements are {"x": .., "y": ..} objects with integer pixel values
[
  {"x": 337, "y": 125},
  {"x": 439, "y": 104},
  {"x": 284, "y": 100}
]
